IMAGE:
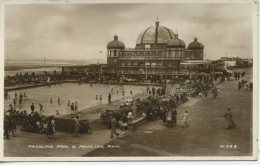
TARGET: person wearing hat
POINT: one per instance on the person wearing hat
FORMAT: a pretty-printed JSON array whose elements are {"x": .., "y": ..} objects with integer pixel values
[
  {"x": 229, "y": 121},
  {"x": 113, "y": 127}
]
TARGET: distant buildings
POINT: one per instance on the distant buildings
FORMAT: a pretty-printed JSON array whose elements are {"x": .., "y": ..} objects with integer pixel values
[{"x": 233, "y": 62}]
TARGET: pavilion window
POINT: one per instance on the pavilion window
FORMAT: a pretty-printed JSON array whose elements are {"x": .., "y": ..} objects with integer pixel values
[
  {"x": 177, "y": 54},
  {"x": 170, "y": 53},
  {"x": 159, "y": 64},
  {"x": 169, "y": 64},
  {"x": 153, "y": 65},
  {"x": 173, "y": 54}
]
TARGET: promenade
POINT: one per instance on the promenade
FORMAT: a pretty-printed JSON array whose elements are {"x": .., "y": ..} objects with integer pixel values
[{"x": 206, "y": 135}]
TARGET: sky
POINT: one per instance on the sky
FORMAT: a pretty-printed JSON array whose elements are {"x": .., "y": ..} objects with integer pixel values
[{"x": 81, "y": 31}]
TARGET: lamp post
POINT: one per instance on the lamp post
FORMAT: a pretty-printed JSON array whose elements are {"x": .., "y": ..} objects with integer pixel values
[{"x": 100, "y": 64}]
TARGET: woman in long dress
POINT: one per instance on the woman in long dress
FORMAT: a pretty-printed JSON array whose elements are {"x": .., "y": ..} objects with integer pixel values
[
  {"x": 229, "y": 121},
  {"x": 169, "y": 121},
  {"x": 185, "y": 119}
]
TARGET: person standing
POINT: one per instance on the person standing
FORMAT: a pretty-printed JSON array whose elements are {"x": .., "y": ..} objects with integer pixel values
[
  {"x": 77, "y": 125},
  {"x": 238, "y": 75},
  {"x": 124, "y": 119},
  {"x": 174, "y": 116},
  {"x": 59, "y": 100},
  {"x": 215, "y": 93},
  {"x": 169, "y": 121},
  {"x": 206, "y": 94},
  {"x": 72, "y": 109},
  {"x": 130, "y": 120},
  {"x": 153, "y": 91},
  {"x": 109, "y": 98},
  {"x": 24, "y": 95},
  {"x": 12, "y": 126},
  {"x": 41, "y": 108},
  {"x": 49, "y": 131},
  {"x": 76, "y": 107},
  {"x": 113, "y": 127},
  {"x": 100, "y": 98},
  {"x": 163, "y": 114},
  {"x": 239, "y": 85},
  {"x": 123, "y": 93},
  {"x": 68, "y": 103},
  {"x": 229, "y": 121},
  {"x": 6, "y": 127},
  {"x": 32, "y": 108},
  {"x": 185, "y": 119},
  {"x": 251, "y": 86}
]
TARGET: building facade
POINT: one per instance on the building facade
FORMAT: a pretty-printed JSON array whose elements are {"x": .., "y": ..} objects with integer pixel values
[{"x": 158, "y": 51}]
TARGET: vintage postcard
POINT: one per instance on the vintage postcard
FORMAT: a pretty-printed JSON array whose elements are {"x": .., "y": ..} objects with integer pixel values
[{"x": 114, "y": 80}]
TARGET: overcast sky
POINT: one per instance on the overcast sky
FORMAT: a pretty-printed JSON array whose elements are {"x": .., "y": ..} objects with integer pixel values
[{"x": 81, "y": 31}]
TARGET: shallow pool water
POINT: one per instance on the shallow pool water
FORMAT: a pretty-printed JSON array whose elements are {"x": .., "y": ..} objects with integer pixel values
[{"x": 84, "y": 94}]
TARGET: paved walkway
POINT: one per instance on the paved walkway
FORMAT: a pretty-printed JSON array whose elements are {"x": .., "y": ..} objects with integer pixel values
[{"x": 206, "y": 135}]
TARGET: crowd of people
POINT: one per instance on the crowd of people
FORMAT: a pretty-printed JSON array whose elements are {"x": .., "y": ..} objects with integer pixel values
[
  {"x": 158, "y": 104},
  {"x": 33, "y": 78},
  {"x": 246, "y": 85},
  {"x": 9, "y": 127},
  {"x": 32, "y": 122}
]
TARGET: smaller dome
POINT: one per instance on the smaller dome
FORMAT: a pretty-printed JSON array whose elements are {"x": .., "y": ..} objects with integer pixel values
[
  {"x": 115, "y": 44},
  {"x": 195, "y": 44},
  {"x": 176, "y": 43}
]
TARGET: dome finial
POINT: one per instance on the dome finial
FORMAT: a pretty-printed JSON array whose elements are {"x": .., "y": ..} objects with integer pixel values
[
  {"x": 115, "y": 37},
  {"x": 157, "y": 22},
  {"x": 195, "y": 39}
]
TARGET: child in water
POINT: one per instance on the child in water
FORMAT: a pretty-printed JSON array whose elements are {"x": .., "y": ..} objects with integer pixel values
[{"x": 100, "y": 98}]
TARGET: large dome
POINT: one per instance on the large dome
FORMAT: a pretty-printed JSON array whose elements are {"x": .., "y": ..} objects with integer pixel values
[
  {"x": 195, "y": 45},
  {"x": 176, "y": 43},
  {"x": 155, "y": 35},
  {"x": 115, "y": 44}
]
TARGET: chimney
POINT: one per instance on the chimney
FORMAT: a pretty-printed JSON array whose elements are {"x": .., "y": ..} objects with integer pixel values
[{"x": 116, "y": 37}]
